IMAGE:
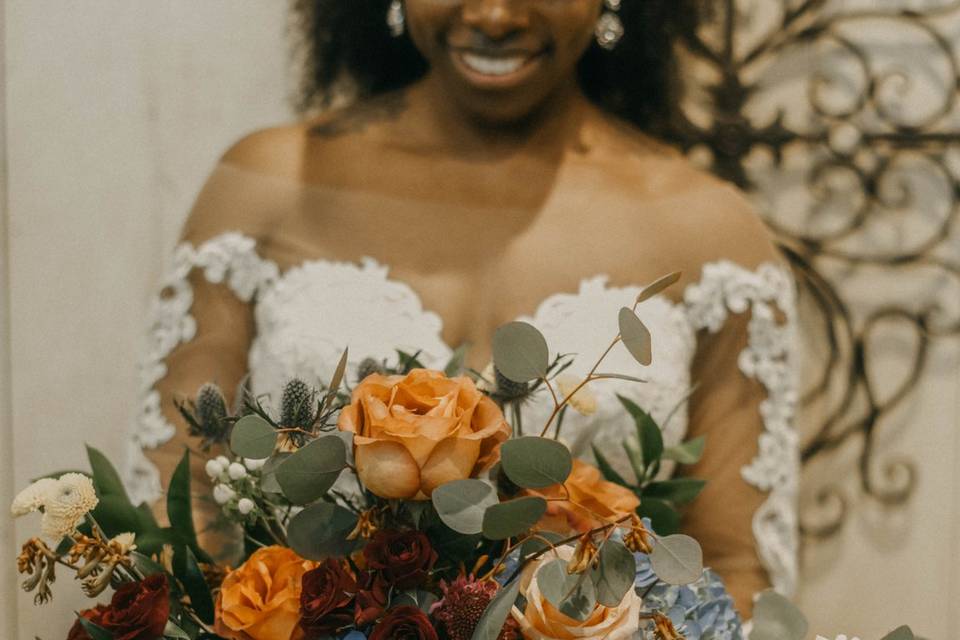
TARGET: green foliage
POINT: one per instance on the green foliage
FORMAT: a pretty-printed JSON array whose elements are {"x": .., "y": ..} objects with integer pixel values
[
  {"x": 320, "y": 531},
  {"x": 573, "y": 595},
  {"x": 95, "y": 631},
  {"x": 180, "y": 508},
  {"x": 508, "y": 519},
  {"x": 495, "y": 615},
  {"x": 253, "y": 437},
  {"x": 106, "y": 480},
  {"x": 677, "y": 559},
  {"x": 664, "y": 518},
  {"x": 520, "y": 352},
  {"x": 615, "y": 573},
  {"x": 648, "y": 435},
  {"x": 535, "y": 463},
  {"x": 268, "y": 473},
  {"x": 609, "y": 473},
  {"x": 635, "y": 336},
  {"x": 900, "y": 633},
  {"x": 418, "y": 598},
  {"x": 461, "y": 504},
  {"x": 175, "y": 632},
  {"x": 456, "y": 363},
  {"x": 776, "y": 618},
  {"x": 307, "y": 474},
  {"x": 689, "y": 452},
  {"x": 658, "y": 286},
  {"x": 677, "y": 491},
  {"x": 187, "y": 571}
]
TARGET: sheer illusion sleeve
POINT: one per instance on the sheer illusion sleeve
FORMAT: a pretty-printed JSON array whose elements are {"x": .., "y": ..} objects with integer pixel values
[
  {"x": 202, "y": 322},
  {"x": 746, "y": 516}
]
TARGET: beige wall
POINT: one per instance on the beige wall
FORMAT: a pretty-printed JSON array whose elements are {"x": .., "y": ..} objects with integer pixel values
[{"x": 115, "y": 110}]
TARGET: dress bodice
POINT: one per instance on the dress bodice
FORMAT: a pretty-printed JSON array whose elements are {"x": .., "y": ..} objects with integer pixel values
[{"x": 306, "y": 315}]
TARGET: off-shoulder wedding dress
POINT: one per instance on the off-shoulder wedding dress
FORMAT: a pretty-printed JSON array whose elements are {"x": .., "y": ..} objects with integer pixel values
[{"x": 302, "y": 315}]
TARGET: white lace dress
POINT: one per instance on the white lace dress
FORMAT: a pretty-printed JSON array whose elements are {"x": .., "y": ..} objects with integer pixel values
[{"x": 298, "y": 333}]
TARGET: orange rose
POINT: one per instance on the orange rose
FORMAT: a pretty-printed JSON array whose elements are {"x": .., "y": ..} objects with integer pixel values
[
  {"x": 540, "y": 620},
  {"x": 261, "y": 599},
  {"x": 416, "y": 432},
  {"x": 592, "y": 501}
]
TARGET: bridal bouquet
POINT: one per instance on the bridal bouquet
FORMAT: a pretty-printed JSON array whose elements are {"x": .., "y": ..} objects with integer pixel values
[{"x": 402, "y": 506}]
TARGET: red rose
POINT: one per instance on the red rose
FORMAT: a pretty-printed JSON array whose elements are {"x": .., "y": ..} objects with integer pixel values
[
  {"x": 137, "y": 611},
  {"x": 404, "y": 623},
  {"x": 325, "y": 597},
  {"x": 371, "y": 600},
  {"x": 404, "y": 558}
]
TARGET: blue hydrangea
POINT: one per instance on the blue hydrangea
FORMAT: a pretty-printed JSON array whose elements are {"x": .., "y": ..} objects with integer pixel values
[{"x": 700, "y": 611}]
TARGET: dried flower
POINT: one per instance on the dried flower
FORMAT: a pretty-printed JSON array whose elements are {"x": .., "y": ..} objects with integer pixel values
[
  {"x": 39, "y": 562},
  {"x": 367, "y": 525},
  {"x": 585, "y": 556},
  {"x": 664, "y": 629},
  {"x": 637, "y": 539},
  {"x": 464, "y": 601},
  {"x": 583, "y": 399}
]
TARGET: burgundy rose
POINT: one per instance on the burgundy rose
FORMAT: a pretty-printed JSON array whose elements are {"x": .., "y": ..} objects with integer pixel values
[
  {"x": 137, "y": 611},
  {"x": 325, "y": 598},
  {"x": 404, "y": 623},
  {"x": 404, "y": 558},
  {"x": 371, "y": 602}
]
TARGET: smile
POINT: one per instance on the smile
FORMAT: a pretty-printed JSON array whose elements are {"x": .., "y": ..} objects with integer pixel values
[{"x": 503, "y": 70}]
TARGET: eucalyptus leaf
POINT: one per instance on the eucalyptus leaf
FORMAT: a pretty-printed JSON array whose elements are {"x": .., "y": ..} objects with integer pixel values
[
  {"x": 419, "y": 598},
  {"x": 659, "y": 286},
  {"x": 689, "y": 452},
  {"x": 635, "y": 336},
  {"x": 520, "y": 352},
  {"x": 535, "y": 463},
  {"x": 900, "y": 633},
  {"x": 677, "y": 490},
  {"x": 776, "y": 618},
  {"x": 268, "y": 473},
  {"x": 320, "y": 531},
  {"x": 677, "y": 559},
  {"x": 309, "y": 472},
  {"x": 574, "y": 595},
  {"x": 495, "y": 615},
  {"x": 462, "y": 503},
  {"x": 532, "y": 546},
  {"x": 615, "y": 573},
  {"x": 508, "y": 519},
  {"x": 616, "y": 376},
  {"x": 648, "y": 432},
  {"x": 146, "y": 566},
  {"x": 253, "y": 437}
]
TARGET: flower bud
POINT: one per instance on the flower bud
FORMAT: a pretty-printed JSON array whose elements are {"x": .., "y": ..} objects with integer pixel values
[
  {"x": 213, "y": 469},
  {"x": 223, "y": 494},
  {"x": 245, "y": 506},
  {"x": 223, "y": 460},
  {"x": 236, "y": 471},
  {"x": 254, "y": 465}
]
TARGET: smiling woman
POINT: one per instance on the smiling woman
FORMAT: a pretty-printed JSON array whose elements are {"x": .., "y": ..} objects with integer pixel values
[{"x": 496, "y": 160}]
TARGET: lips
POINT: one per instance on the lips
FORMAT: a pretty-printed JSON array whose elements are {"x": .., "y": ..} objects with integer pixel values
[{"x": 496, "y": 69}]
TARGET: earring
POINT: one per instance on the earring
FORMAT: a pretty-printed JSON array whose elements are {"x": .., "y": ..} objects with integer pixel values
[
  {"x": 396, "y": 19},
  {"x": 609, "y": 27}
]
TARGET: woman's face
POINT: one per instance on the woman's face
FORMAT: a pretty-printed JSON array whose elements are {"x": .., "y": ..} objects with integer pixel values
[{"x": 501, "y": 59}]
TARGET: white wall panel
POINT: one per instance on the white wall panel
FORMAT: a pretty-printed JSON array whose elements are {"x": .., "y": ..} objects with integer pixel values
[{"x": 117, "y": 111}]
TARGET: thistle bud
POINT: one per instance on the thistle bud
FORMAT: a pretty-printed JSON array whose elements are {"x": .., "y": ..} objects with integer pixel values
[
  {"x": 297, "y": 408},
  {"x": 368, "y": 367},
  {"x": 507, "y": 389}
]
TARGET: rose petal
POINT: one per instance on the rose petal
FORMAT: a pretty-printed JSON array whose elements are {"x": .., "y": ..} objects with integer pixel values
[
  {"x": 452, "y": 459},
  {"x": 387, "y": 469}
]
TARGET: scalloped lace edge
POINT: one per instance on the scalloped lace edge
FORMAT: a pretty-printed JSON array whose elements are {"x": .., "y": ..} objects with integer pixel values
[
  {"x": 230, "y": 259},
  {"x": 725, "y": 288}
]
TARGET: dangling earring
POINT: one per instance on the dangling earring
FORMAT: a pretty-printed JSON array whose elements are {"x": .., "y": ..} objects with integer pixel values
[
  {"x": 396, "y": 19},
  {"x": 609, "y": 27}
]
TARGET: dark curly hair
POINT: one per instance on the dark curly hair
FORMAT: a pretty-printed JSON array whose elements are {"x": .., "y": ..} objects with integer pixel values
[{"x": 637, "y": 81}]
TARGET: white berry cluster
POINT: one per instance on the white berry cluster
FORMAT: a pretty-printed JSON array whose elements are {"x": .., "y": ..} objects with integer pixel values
[
  {"x": 840, "y": 637},
  {"x": 235, "y": 484}
]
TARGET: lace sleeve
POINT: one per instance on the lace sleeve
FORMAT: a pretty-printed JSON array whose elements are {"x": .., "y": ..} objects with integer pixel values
[
  {"x": 200, "y": 331},
  {"x": 745, "y": 406}
]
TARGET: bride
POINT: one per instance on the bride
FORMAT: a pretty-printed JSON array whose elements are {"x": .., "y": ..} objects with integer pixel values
[{"x": 499, "y": 160}]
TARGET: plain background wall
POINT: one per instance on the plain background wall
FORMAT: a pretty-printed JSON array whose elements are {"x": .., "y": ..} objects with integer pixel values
[{"x": 114, "y": 112}]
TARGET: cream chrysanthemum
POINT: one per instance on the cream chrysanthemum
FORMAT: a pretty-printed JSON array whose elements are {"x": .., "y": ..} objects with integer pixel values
[
  {"x": 584, "y": 401},
  {"x": 32, "y": 498},
  {"x": 64, "y": 502}
]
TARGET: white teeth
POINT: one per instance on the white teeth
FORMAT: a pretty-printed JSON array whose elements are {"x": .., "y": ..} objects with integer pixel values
[{"x": 493, "y": 66}]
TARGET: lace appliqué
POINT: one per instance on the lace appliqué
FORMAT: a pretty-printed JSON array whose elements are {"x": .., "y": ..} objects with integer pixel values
[
  {"x": 230, "y": 259},
  {"x": 729, "y": 288}
]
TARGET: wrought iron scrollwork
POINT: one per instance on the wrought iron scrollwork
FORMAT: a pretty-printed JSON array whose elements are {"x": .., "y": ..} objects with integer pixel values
[{"x": 876, "y": 149}]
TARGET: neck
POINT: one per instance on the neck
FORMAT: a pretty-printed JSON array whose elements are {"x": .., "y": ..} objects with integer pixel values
[{"x": 547, "y": 130}]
